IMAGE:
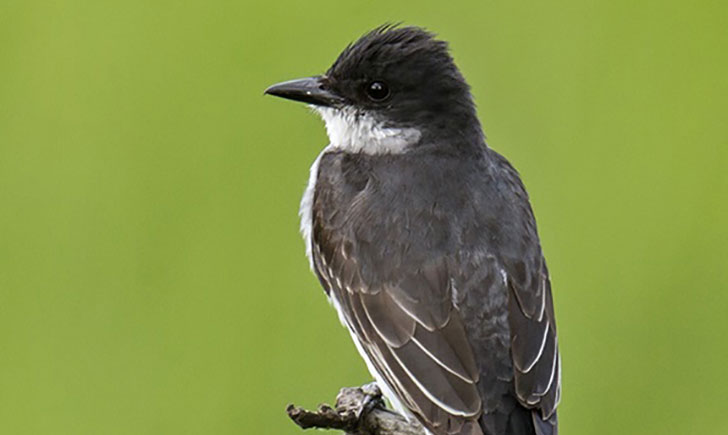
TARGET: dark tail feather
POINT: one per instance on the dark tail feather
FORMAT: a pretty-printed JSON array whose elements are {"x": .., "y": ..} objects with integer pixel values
[
  {"x": 545, "y": 427},
  {"x": 520, "y": 421},
  {"x": 524, "y": 421}
]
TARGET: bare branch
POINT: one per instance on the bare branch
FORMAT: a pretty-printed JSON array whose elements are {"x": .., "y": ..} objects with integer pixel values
[{"x": 359, "y": 411}]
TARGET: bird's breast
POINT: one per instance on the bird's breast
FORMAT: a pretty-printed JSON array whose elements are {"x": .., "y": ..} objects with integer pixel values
[{"x": 386, "y": 211}]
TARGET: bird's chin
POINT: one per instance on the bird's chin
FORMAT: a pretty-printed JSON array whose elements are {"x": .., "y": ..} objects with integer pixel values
[{"x": 358, "y": 131}]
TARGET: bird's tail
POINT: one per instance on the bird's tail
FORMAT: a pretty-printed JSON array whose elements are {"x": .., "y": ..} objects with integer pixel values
[
  {"x": 524, "y": 421},
  {"x": 545, "y": 427}
]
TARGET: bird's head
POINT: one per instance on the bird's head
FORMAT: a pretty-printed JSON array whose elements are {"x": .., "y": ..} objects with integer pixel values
[{"x": 392, "y": 89}]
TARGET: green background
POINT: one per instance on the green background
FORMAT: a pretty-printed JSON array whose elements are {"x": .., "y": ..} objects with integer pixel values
[{"x": 152, "y": 279}]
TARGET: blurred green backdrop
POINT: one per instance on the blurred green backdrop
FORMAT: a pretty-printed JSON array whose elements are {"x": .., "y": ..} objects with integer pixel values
[{"x": 152, "y": 279}]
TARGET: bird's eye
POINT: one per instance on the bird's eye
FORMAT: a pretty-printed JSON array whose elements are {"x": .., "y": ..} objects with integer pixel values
[{"x": 377, "y": 91}]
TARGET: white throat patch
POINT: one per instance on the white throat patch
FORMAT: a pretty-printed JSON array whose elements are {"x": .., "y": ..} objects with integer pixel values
[{"x": 354, "y": 131}]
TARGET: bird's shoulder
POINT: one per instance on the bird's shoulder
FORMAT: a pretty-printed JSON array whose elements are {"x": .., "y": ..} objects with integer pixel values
[{"x": 394, "y": 210}]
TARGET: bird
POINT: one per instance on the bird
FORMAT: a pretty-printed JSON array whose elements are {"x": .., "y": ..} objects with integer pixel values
[{"x": 423, "y": 239}]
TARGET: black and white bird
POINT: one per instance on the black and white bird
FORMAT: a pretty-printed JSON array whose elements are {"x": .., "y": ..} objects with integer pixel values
[{"x": 424, "y": 241}]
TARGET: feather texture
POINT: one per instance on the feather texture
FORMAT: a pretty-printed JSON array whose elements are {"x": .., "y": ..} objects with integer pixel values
[{"x": 461, "y": 332}]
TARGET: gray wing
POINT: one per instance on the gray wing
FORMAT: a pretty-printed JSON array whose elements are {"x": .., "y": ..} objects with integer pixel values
[
  {"x": 534, "y": 344},
  {"x": 411, "y": 333},
  {"x": 514, "y": 337}
]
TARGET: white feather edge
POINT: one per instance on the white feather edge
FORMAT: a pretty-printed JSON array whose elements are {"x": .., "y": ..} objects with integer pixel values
[{"x": 529, "y": 366}]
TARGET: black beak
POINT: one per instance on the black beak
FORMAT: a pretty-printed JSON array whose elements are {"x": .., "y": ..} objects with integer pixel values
[{"x": 311, "y": 90}]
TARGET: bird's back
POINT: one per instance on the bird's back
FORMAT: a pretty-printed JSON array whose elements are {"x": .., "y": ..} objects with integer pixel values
[{"x": 400, "y": 213}]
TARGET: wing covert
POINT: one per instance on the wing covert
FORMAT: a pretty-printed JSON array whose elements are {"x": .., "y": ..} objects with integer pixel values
[
  {"x": 534, "y": 344},
  {"x": 412, "y": 334}
]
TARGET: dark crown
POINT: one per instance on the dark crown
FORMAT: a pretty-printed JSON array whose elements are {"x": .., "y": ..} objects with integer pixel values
[{"x": 427, "y": 89}]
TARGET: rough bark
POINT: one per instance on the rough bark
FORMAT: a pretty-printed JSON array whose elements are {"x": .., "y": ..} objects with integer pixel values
[{"x": 358, "y": 411}]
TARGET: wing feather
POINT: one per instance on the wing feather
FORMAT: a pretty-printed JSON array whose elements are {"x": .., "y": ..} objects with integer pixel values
[
  {"x": 393, "y": 325},
  {"x": 447, "y": 348},
  {"x": 534, "y": 344},
  {"x": 412, "y": 335}
]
